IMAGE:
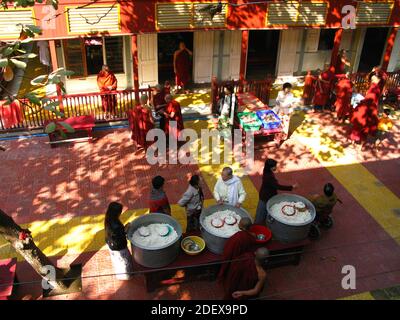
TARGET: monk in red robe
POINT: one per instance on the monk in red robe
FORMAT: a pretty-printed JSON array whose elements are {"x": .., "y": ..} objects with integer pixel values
[
  {"x": 159, "y": 104},
  {"x": 323, "y": 88},
  {"x": 342, "y": 63},
  {"x": 142, "y": 122},
  {"x": 182, "y": 66},
  {"x": 344, "y": 91},
  {"x": 246, "y": 278},
  {"x": 107, "y": 82},
  {"x": 241, "y": 242},
  {"x": 377, "y": 78},
  {"x": 173, "y": 113},
  {"x": 365, "y": 119}
]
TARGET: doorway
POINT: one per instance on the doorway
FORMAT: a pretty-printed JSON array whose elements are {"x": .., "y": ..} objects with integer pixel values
[
  {"x": 94, "y": 55},
  {"x": 167, "y": 44},
  {"x": 262, "y": 53},
  {"x": 374, "y": 44}
]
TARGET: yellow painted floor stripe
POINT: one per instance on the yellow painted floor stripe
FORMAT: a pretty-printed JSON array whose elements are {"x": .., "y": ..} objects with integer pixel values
[
  {"x": 360, "y": 296},
  {"x": 372, "y": 195}
]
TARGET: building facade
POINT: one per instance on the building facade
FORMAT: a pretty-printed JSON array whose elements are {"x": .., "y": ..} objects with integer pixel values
[{"x": 243, "y": 40}]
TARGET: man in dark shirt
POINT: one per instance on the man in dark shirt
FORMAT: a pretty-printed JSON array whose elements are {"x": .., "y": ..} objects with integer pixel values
[
  {"x": 269, "y": 188},
  {"x": 158, "y": 201}
]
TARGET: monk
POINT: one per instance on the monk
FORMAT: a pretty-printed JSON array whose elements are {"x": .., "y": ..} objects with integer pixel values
[
  {"x": 182, "y": 66},
  {"x": 159, "y": 104},
  {"x": 241, "y": 242},
  {"x": 107, "y": 82},
  {"x": 365, "y": 119},
  {"x": 342, "y": 63},
  {"x": 377, "y": 78},
  {"x": 246, "y": 277},
  {"x": 173, "y": 113},
  {"x": 344, "y": 92},
  {"x": 143, "y": 122},
  {"x": 323, "y": 88}
]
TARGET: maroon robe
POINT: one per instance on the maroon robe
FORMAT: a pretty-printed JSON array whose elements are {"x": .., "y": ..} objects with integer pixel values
[
  {"x": 322, "y": 89},
  {"x": 140, "y": 122},
  {"x": 174, "y": 107},
  {"x": 344, "y": 91},
  {"x": 242, "y": 275},
  {"x": 364, "y": 119},
  {"x": 241, "y": 242},
  {"x": 182, "y": 66}
]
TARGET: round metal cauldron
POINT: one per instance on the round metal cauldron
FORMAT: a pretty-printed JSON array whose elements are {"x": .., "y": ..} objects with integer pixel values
[
  {"x": 216, "y": 243},
  {"x": 285, "y": 231},
  {"x": 155, "y": 257}
]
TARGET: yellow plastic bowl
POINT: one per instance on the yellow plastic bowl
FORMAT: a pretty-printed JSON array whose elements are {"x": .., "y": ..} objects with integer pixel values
[{"x": 199, "y": 241}]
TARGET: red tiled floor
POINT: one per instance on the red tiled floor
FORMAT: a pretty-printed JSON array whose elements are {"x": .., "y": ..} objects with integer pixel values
[{"x": 81, "y": 179}]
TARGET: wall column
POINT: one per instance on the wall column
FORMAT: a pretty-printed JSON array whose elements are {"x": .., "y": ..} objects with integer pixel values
[
  {"x": 135, "y": 60},
  {"x": 389, "y": 48},
  {"x": 53, "y": 54},
  {"x": 243, "y": 55},
  {"x": 336, "y": 47}
]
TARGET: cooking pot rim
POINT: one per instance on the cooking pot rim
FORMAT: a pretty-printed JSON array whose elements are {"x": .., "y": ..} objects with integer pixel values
[
  {"x": 210, "y": 210},
  {"x": 173, "y": 222},
  {"x": 292, "y": 197}
]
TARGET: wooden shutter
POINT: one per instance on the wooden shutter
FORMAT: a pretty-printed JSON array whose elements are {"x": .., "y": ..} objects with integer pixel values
[
  {"x": 186, "y": 15},
  {"x": 373, "y": 12},
  {"x": 174, "y": 16},
  {"x": 282, "y": 13},
  {"x": 9, "y": 20},
  {"x": 312, "y": 13},
  {"x": 93, "y": 19},
  {"x": 203, "y": 19}
]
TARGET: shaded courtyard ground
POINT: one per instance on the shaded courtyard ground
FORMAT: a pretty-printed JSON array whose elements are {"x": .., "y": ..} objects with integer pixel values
[{"x": 61, "y": 194}]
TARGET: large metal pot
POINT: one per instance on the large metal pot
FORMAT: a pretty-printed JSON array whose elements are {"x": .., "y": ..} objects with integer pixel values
[
  {"x": 285, "y": 231},
  {"x": 214, "y": 242},
  {"x": 155, "y": 257}
]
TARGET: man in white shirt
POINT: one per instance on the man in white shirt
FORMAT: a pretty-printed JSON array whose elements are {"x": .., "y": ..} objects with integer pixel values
[
  {"x": 229, "y": 189},
  {"x": 285, "y": 100}
]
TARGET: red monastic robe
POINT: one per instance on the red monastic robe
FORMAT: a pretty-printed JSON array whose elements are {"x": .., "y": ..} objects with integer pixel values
[
  {"x": 140, "y": 123},
  {"x": 105, "y": 80},
  {"x": 364, "y": 119},
  {"x": 344, "y": 91},
  {"x": 174, "y": 107},
  {"x": 241, "y": 242},
  {"x": 182, "y": 65},
  {"x": 322, "y": 89},
  {"x": 241, "y": 275}
]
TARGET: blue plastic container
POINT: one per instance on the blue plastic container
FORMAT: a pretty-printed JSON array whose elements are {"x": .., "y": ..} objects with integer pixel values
[{"x": 271, "y": 124}]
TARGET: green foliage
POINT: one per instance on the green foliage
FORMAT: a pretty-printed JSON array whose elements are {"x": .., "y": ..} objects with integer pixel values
[
  {"x": 50, "y": 128},
  {"x": 67, "y": 127},
  {"x": 13, "y": 55},
  {"x": 26, "y": 3}
]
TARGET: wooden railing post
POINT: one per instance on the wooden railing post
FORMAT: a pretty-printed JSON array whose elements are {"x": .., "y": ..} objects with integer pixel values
[
  {"x": 135, "y": 59},
  {"x": 60, "y": 98}
]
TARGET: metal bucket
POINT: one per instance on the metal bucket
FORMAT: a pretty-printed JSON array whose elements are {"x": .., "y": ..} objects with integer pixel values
[
  {"x": 286, "y": 231},
  {"x": 155, "y": 257},
  {"x": 214, "y": 242}
]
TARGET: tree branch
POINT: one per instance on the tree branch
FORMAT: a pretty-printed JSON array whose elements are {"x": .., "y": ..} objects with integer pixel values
[{"x": 101, "y": 17}]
